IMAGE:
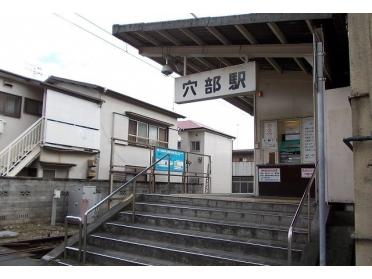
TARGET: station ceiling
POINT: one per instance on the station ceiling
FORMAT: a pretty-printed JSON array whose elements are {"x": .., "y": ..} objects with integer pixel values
[{"x": 278, "y": 42}]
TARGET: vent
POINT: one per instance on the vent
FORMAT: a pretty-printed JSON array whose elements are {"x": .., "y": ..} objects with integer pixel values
[
  {"x": 25, "y": 193},
  {"x": 7, "y": 84},
  {"x": 2, "y": 217},
  {"x": 4, "y": 193}
]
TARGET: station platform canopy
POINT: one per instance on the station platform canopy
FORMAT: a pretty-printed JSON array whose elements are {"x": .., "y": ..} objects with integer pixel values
[{"x": 277, "y": 42}]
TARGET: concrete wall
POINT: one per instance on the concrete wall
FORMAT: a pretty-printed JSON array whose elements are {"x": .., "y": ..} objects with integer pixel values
[
  {"x": 220, "y": 149},
  {"x": 360, "y": 51},
  {"x": 285, "y": 96},
  {"x": 24, "y": 200},
  {"x": 15, "y": 126},
  {"x": 339, "y": 158}
]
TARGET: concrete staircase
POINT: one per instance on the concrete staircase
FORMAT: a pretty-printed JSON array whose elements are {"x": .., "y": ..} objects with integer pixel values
[{"x": 195, "y": 230}]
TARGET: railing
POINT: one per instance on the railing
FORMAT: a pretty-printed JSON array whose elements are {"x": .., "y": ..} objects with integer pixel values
[
  {"x": 305, "y": 195},
  {"x": 108, "y": 199},
  {"x": 19, "y": 148},
  {"x": 72, "y": 219}
]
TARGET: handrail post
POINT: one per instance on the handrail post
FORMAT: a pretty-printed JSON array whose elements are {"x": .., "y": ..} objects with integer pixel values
[
  {"x": 8, "y": 160},
  {"x": 290, "y": 233},
  {"x": 65, "y": 241},
  {"x": 134, "y": 202},
  {"x": 85, "y": 237},
  {"x": 72, "y": 218},
  {"x": 80, "y": 240}
]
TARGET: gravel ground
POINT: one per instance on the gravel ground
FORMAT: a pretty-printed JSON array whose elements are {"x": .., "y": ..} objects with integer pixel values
[{"x": 33, "y": 231}]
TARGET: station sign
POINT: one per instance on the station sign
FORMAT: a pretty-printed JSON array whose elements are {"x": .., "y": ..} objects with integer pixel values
[
  {"x": 220, "y": 83},
  {"x": 176, "y": 159}
]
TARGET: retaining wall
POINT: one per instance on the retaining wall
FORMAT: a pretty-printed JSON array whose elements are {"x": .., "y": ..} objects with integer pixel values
[{"x": 26, "y": 200}]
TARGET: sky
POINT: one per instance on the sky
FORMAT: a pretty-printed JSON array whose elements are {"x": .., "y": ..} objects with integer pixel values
[{"x": 37, "y": 41}]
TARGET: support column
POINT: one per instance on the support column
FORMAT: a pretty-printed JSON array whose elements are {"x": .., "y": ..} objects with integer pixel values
[
  {"x": 320, "y": 150},
  {"x": 360, "y": 52}
]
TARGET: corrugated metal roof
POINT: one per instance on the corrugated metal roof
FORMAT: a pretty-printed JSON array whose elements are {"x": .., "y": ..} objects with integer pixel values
[{"x": 295, "y": 28}]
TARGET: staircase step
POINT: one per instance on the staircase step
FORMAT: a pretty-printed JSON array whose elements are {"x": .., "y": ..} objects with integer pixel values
[
  {"x": 203, "y": 224},
  {"x": 238, "y": 215},
  {"x": 103, "y": 256},
  {"x": 224, "y": 202},
  {"x": 200, "y": 240},
  {"x": 164, "y": 251}
]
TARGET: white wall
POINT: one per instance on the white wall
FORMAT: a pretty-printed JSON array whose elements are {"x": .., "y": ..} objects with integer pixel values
[
  {"x": 243, "y": 168},
  {"x": 339, "y": 158},
  {"x": 127, "y": 155},
  {"x": 15, "y": 126},
  {"x": 220, "y": 149}
]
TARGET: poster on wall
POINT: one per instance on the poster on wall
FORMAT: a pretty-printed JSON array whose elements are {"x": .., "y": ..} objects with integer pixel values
[
  {"x": 269, "y": 175},
  {"x": 307, "y": 172},
  {"x": 176, "y": 160},
  {"x": 269, "y": 134},
  {"x": 308, "y": 141}
]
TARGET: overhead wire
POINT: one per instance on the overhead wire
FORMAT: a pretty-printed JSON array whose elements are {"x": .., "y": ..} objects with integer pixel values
[{"x": 103, "y": 39}]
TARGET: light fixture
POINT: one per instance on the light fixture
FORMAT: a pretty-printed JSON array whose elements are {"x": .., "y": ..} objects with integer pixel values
[{"x": 166, "y": 69}]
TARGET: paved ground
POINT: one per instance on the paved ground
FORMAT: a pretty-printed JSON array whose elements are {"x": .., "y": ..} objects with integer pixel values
[{"x": 10, "y": 257}]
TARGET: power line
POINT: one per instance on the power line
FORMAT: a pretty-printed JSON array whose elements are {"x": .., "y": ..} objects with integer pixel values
[{"x": 103, "y": 39}]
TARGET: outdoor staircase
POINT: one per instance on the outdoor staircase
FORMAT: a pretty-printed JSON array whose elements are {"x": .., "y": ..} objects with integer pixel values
[
  {"x": 195, "y": 230},
  {"x": 22, "y": 151}
]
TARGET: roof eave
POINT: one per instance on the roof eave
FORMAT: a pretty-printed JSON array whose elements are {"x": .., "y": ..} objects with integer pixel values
[{"x": 216, "y": 21}]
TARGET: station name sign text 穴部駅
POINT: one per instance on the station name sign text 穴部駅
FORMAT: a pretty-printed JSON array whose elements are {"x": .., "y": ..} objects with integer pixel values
[{"x": 220, "y": 83}]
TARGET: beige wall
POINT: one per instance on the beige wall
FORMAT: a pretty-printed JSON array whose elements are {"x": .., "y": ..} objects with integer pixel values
[
  {"x": 360, "y": 51},
  {"x": 78, "y": 158},
  {"x": 287, "y": 95},
  {"x": 15, "y": 126},
  {"x": 339, "y": 158}
]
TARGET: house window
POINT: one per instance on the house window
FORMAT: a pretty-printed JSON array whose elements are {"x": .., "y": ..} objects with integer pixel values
[
  {"x": 33, "y": 107},
  {"x": 242, "y": 184},
  {"x": 147, "y": 134},
  {"x": 49, "y": 174},
  {"x": 10, "y": 105},
  {"x": 195, "y": 146}
]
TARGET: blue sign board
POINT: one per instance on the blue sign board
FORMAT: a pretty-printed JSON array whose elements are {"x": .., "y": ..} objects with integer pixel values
[{"x": 176, "y": 160}]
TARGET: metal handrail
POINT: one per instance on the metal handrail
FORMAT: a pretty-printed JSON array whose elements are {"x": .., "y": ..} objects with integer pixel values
[
  {"x": 297, "y": 213},
  {"x": 134, "y": 179},
  {"x": 67, "y": 219}
]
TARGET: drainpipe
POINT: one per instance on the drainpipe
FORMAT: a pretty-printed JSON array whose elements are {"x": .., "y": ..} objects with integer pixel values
[{"x": 320, "y": 151}]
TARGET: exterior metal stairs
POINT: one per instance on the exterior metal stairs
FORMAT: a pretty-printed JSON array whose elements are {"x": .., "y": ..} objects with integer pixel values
[
  {"x": 22, "y": 151},
  {"x": 194, "y": 230}
]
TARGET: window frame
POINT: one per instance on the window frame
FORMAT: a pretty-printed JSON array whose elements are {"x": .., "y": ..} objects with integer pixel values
[
  {"x": 27, "y": 100},
  {"x": 196, "y": 142},
  {"x": 249, "y": 180},
  {"x": 17, "y": 113},
  {"x": 136, "y": 139}
]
